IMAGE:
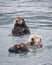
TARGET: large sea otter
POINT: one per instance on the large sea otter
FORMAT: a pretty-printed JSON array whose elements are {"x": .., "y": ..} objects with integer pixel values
[
  {"x": 33, "y": 43},
  {"x": 20, "y": 28}
]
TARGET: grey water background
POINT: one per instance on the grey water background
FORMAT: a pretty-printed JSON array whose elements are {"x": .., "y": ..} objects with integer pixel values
[{"x": 38, "y": 16}]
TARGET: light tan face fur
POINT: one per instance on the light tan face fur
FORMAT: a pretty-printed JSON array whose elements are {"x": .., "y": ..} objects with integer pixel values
[
  {"x": 18, "y": 20},
  {"x": 37, "y": 39}
]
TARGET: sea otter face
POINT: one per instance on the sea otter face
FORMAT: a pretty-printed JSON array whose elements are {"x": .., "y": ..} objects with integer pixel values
[
  {"x": 19, "y": 20},
  {"x": 35, "y": 39}
]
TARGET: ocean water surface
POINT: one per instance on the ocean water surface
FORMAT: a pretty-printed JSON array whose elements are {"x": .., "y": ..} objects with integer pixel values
[{"x": 38, "y": 16}]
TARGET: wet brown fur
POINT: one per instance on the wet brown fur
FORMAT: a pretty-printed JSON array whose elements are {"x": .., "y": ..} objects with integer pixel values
[{"x": 20, "y": 28}]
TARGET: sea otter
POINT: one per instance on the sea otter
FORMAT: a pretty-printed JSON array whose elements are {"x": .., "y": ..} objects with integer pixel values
[
  {"x": 34, "y": 42},
  {"x": 20, "y": 27},
  {"x": 18, "y": 48}
]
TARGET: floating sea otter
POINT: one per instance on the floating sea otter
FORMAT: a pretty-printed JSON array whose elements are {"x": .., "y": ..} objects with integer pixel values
[
  {"x": 18, "y": 48},
  {"x": 20, "y": 28},
  {"x": 34, "y": 42}
]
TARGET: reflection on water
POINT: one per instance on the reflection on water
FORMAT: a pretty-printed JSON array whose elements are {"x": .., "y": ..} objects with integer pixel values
[{"x": 38, "y": 16}]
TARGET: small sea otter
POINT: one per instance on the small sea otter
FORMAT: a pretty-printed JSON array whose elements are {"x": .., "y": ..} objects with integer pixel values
[
  {"x": 20, "y": 28},
  {"x": 18, "y": 48}
]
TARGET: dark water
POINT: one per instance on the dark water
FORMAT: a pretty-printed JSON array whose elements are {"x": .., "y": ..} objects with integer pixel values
[{"x": 38, "y": 16}]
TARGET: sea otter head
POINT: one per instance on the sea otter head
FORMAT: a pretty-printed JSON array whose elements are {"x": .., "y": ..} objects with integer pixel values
[
  {"x": 35, "y": 40},
  {"x": 19, "y": 21}
]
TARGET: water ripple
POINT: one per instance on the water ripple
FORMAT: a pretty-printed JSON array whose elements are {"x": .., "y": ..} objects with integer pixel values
[{"x": 38, "y": 16}]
